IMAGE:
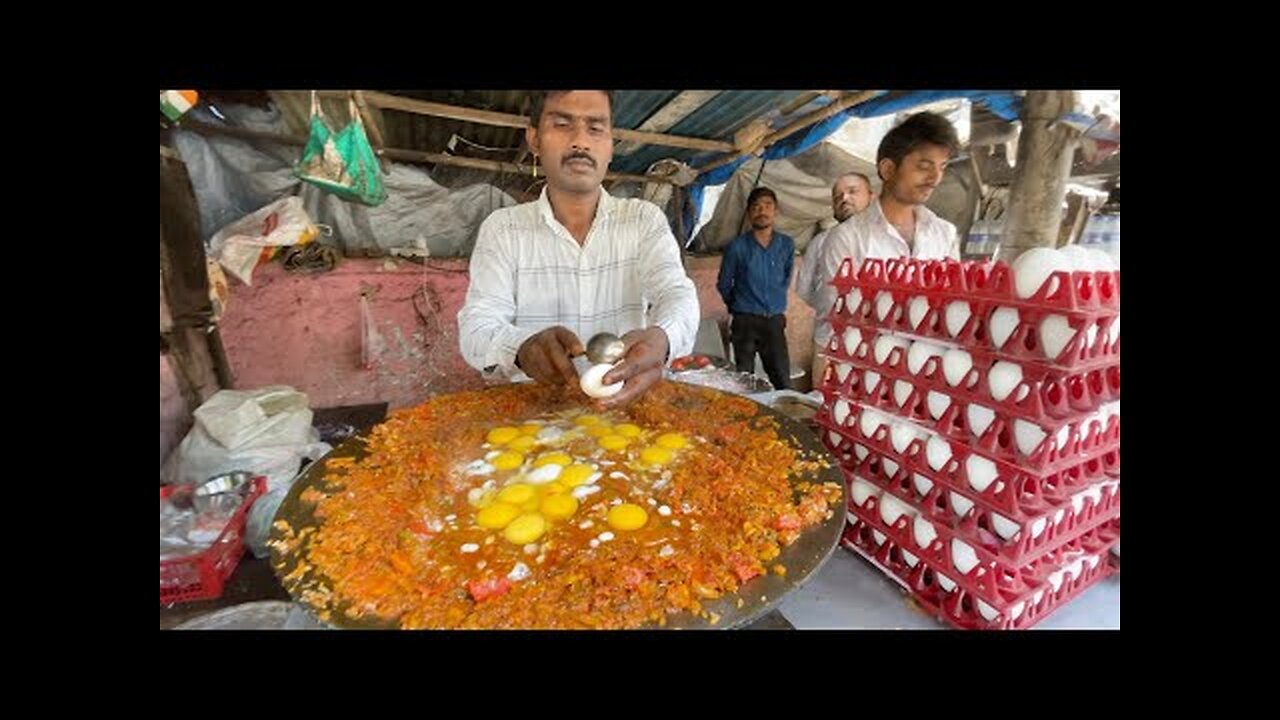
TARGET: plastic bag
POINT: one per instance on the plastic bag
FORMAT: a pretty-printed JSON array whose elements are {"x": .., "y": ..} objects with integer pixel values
[
  {"x": 256, "y": 237},
  {"x": 266, "y": 432},
  {"x": 341, "y": 162}
]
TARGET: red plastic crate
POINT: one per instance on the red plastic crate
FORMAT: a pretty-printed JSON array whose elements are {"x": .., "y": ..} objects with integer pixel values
[
  {"x": 1062, "y": 447},
  {"x": 1084, "y": 299},
  {"x": 1013, "y": 490},
  {"x": 202, "y": 576},
  {"x": 1043, "y": 396},
  {"x": 958, "y": 605}
]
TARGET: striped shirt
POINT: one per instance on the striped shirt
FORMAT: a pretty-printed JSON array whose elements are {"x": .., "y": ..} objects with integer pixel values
[{"x": 528, "y": 273}]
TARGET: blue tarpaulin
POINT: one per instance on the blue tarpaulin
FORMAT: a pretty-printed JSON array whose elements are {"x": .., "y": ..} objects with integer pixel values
[{"x": 1003, "y": 103}]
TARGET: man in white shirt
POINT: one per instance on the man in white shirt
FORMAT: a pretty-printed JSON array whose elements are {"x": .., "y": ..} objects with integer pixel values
[
  {"x": 850, "y": 195},
  {"x": 549, "y": 274},
  {"x": 911, "y": 160}
]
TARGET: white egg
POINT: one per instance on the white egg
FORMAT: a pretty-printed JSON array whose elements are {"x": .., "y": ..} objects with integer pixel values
[
  {"x": 1003, "y": 322},
  {"x": 1102, "y": 262},
  {"x": 980, "y": 418},
  {"x": 1038, "y": 527},
  {"x": 956, "y": 315},
  {"x": 1035, "y": 599},
  {"x": 852, "y": 300},
  {"x": 840, "y": 411},
  {"x": 885, "y": 345},
  {"x": 919, "y": 353},
  {"x": 860, "y": 490},
  {"x": 960, "y": 504},
  {"x": 938, "y": 404},
  {"x": 843, "y": 370},
  {"x": 1055, "y": 333},
  {"x": 1004, "y": 527},
  {"x": 946, "y": 582},
  {"x": 1115, "y": 549},
  {"x": 834, "y": 437},
  {"x": 1057, "y": 517},
  {"x": 884, "y": 303},
  {"x": 1034, "y": 267},
  {"x": 890, "y": 467},
  {"x": 910, "y": 559},
  {"x": 923, "y": 532},
  {"x": 956, "y": 364},
  {"x": 1092, "y": 561},
  {"x": 544, "y": 474},
  {"x": 922, "y": 484},
  {"x": 1063, "y": 437},
  {"x": 901, "y": 435},
  {"x": 1114, "y": 332},
  {"x": 1078, "y": 258},
  {"x": 937, "y": 452},
  {"x": 860, "y": 451},
  {"x": 852, "y": 339},
  {"x": 1090, "y": 336},
  {"x": 870, "y": 380},
  {"x": 902, "y": 392},
  {"x": 1015, "y": 610},
  {"x": 1055, "y": 579},
  {"x": 592, "y": 385},
  {"x": 878, "y": 537},
  {"x": 1002, "y": 378},
  {"x": 916, "y": 310},
  {"x": 982, "y": 472},
  {"x": 987, "y": 612},
  {"x": 870, "y": 421},
  {"x": 1027, "y": 436},
  {"x": 892, "y": 508},
  {"x": 963, "y": 557}
]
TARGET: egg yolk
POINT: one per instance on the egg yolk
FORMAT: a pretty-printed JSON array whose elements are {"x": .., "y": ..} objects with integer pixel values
[
  {"x": 523, "y": 444},
  {"x": 576, "y": 474},
  {"x": 627, "y": 517},
  {"x": 516, "y": 494},
  {"x": 525, "y": 529},
  {"x": 508, "y": 460},
  {"x": 556, "y": 458},
  {"x": 656, "y": 455},
  {"x": 502, "y": 435},
  {"x": 559, "y": 507},
  {"x": 672, "y": 441},
  {"x": 628, "y": 430},
  {"x": 614, "y": 442},
  {"x": 497, "y": 516}
]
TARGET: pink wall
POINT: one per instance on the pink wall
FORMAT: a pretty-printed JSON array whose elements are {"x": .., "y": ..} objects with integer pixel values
[{"x": 304, "y": 330}]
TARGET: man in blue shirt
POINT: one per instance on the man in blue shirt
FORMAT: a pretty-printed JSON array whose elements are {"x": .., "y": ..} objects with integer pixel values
[{"x": 754, "y": 276}]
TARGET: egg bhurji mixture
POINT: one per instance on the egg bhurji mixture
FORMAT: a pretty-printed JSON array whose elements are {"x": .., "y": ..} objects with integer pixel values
[{"x": 518, "y": 508}]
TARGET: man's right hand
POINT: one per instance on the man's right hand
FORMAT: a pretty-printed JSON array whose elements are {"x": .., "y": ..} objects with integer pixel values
[{"x": 548, "y": 356}]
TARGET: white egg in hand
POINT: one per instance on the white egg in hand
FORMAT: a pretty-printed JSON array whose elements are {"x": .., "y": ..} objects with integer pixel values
[{"x": 592, "y": 385}]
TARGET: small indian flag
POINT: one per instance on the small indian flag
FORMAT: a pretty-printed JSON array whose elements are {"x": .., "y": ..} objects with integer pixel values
[{"x": 175, "y": 103}]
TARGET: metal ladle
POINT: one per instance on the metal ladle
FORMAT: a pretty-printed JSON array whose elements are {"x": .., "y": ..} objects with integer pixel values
[{"x": 605, "y": 348}]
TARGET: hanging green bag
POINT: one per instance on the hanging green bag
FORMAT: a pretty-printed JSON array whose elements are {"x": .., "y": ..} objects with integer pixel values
[{"x": 341, "y": 162}]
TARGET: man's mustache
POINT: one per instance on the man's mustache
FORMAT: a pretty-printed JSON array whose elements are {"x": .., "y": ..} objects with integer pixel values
[{"x": 578, "y": 156}]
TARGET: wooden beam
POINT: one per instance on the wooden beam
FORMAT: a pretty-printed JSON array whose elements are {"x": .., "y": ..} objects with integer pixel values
[
  {"x": 796, "y": 126},
  {"x": 489, "y": 117},
  {"x": 675, "y": 110},
  {"x": 414, "y": 156}
]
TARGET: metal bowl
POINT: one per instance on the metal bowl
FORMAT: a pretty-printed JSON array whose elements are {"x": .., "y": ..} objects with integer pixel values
[{"x": 222, "y": 492}]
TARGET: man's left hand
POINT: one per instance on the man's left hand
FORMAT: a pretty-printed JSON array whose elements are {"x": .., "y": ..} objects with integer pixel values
[{"x": 640, "y": 367}]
